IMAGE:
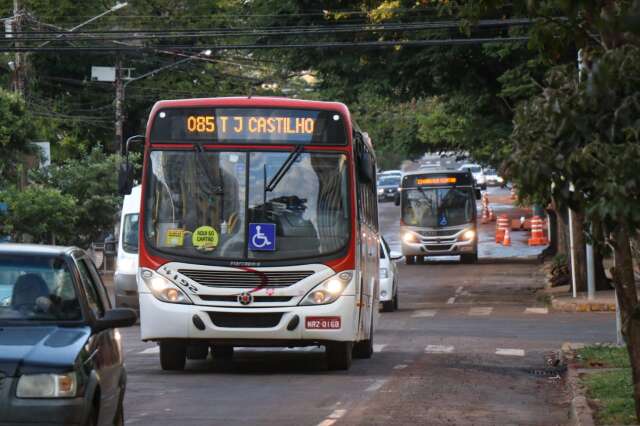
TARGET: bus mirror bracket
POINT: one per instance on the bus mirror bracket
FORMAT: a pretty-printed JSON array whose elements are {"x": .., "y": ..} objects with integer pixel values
[{"x": 125, "y": 173}]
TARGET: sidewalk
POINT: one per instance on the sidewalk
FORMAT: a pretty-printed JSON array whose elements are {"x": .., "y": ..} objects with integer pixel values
[{"x": 562, "y": 300}]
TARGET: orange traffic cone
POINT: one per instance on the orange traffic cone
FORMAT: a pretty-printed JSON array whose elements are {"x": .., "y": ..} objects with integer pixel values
[
  {"x": 537, "y": 233},
  {"x": 485, "y": 215},
  {"x": 501, "y": 226},
  {"x": 492, "y": 215},
  {"x": 506, "y": 241}
]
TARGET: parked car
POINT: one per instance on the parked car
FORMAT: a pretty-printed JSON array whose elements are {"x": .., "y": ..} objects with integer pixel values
[
  {"x": 478, "y": 174},
  {"x": 124, "y": 277},
  {"x": 61, "y": 358},
  {"x": 388, "y": 187},
  {"x": 492, "y": 177},
  {"x": 388, "y": 277}
]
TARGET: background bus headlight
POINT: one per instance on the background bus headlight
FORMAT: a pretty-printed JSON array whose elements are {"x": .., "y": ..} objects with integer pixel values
[
  {"x": 47, "y": 386},
  {"x": 409, "y": 237},
  {"x": 380, "y": 191},
  {"x": 328, "y": 291},
  {"x": 469, "y": 235},
  {"x": 162, "y": 288}
]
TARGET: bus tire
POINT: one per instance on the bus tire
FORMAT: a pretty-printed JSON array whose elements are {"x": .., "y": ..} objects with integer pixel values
[
  {"x": 173, "y": 355},
  {"x": 395, "y": 301},
  {"x": 198, "y": 351},
  {"x": 409, "y": 260},
  {"x": 222, "y": 352},
  {"x": 364, "y": 348},
  {"x": 339, "y": 355},
  {"x": 387, "y": 306},
  {"x": 469, "y": 258}
]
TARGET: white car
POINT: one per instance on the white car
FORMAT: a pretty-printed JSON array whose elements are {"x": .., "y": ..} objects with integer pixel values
[
  {"x": 478, "y": 174},
  {"x": 492, "y": 177},
  {"x": 388, "y": 278}
]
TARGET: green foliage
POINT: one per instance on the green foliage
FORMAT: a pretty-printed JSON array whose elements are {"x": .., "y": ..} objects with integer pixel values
[
  {"x": 39, "y": 214},
  {"x": 92, "y": 182},
  {"x": 604, "y": 356},
  {"x": 16, "y": 131},
  {"x": 614, "y": 391}
]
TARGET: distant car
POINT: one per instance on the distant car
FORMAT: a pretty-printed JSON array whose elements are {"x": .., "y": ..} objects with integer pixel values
[
  {"x": 388, "y": 278},
  {"x": 388, "y": 187},
  {"x": 492, "y": 177},
  {"x": 390, "y": 173},
  {"x": 124, "y": 277},
  {"x": 61, "y": 359},
  {"x": 478, "y": 174}
]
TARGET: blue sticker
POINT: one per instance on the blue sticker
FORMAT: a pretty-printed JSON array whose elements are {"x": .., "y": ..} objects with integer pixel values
[
  {"x": 443, "y": 221},
  {"x": 262, "y": 236}
]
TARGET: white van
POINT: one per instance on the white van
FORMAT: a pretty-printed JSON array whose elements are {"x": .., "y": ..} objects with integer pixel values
[{"x": 127, "y": 262}]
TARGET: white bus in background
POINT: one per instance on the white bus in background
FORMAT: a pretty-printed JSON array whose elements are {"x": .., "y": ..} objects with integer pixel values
[{"x": 126, "y": 287}]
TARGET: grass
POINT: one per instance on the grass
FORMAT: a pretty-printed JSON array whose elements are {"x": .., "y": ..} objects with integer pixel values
[
  {"x": 601, "y": 356},
  {"x": 613, "y": 391}
]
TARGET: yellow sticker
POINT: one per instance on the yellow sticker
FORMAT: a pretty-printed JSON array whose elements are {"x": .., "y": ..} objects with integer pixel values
[
  {"x": 205, "y": 238},
  {"x": 174, "y": 238}
]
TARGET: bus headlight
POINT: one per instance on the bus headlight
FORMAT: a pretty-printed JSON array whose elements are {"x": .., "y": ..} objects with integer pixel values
[
  {"x": 47, "y": 386},
  {"x": 469, "y": 235},
  {"x": 409, "y": 237},
  {"x": 328, "y": 291},
  {"x": 380, "y": 191},
  {"x": 162, "y": 288}
]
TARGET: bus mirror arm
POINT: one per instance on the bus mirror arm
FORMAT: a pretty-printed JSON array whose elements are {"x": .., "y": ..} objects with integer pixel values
[{"x": 125, "y": 174}]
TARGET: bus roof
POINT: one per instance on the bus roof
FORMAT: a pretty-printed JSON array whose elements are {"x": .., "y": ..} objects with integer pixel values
[{"x": 253, "y": 101}]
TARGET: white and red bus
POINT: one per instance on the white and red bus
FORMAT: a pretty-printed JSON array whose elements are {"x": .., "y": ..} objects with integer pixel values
[{"x": 258, "y": 227}]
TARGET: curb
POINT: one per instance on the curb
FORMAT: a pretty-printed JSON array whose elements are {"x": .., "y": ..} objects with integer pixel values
[
  {"x": 581, "y": 306},
  {"x": 580, "y": 413}
]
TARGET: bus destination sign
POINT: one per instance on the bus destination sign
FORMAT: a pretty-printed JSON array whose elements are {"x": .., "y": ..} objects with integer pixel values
[
  {"x": 438, "y": 179},
  {"x": 251, "y": 125}
]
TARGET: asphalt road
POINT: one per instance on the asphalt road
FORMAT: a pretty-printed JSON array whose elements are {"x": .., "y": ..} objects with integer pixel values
[{"x": 469, "y": 345}]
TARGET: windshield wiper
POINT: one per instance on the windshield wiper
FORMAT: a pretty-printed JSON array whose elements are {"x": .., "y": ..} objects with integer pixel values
[{"x": 275, "y": 180}]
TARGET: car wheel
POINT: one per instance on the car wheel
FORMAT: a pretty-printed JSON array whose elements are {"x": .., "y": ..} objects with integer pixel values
[
  {"x": 339, "y": 355},
  {"x": 420, "y": 260},
  {"x": 222, "y": 352},
  {"x": 409, "y": 260},
  {"x": 173, "y": 355},
  {"x": 395, "y": 301},
  {"x": 198, "y": 351}
]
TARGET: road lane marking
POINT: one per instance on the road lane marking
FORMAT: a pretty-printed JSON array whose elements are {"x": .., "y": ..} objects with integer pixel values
[
  {"x": 327, "y": 422},
  {"x": 510, "y": 352},
  {"x": 539, "y": 311},
  {"x": 378, "y": 348},
  {"x": 480, "y": 311},
  {"x": 438, "y": 349},
  {"x": 337, "y": 414},
  {"x": 400, "y": 367},
  {"x": 150, "y": 351},
  {"x": 451, "y": 301},
  {"x": 459, "y": 290},
  {"x": 376, "y": 385},
  {"x": 424, "y": 313}
]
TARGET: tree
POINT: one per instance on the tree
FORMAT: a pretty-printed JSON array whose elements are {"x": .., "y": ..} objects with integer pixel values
[
  {"x": 39, "y": 214},
  {"x": 92, "y": 182},
  {"x": 16, "y": 133}
]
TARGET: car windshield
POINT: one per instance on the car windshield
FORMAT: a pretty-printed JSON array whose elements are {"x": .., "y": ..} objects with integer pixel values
[
  {"x": 37, "y": 288},
  {"x": 198, "y": 204},
  {"x": 389, "y": 181},
  {"x": 437, "y": 207},
  {"x": 130, "y": 233}
]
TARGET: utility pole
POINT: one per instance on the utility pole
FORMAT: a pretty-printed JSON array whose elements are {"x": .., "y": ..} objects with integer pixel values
[
  {"x": 118, "y": 143},
  {"x": 18, "y": 84}
]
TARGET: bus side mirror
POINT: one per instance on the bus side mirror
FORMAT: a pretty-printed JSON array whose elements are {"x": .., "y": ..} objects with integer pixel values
[
  {"x": 125, "y": 178},
  {"x": 366, "y": 169},
  {"x": 396, "y": 199},
  {"x": 478, "y": 194}
]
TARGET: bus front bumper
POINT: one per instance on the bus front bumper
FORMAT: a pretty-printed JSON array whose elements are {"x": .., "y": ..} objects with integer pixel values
[
  {"x": 439, "y": 249},
  {"x": 274, "y": 326}
]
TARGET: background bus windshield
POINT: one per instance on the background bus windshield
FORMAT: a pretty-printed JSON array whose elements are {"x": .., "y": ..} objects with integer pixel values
[
  {"x": 437, "y": 207},
  {"x": 196, "y": 204}
]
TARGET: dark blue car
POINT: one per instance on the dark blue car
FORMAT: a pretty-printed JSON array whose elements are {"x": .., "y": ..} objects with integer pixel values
[{"x": 61, "y": 359}]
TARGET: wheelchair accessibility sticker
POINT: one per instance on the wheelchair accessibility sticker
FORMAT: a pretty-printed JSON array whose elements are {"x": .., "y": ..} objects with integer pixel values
[{"x": 262, "y": 236}]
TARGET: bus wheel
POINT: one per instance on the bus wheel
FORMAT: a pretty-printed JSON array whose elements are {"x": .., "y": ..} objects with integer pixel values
[
  {"x": 339, "y": 355},
  {"x": 364, "y": 348},
  {"x": 387, "y": 306},
  {"x": 173, "y": 355},
  {"x": 222, "y": 352},
  {"x": 469, "y": 258},
  {"x": 409, "y": 260},
  {"x": 395, "y": 301},
  {"x": 198, "y": 351}
]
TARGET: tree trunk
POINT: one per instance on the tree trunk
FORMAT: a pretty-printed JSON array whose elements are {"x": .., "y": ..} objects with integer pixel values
[
  {"x": 628, "y": 301},
  {"x": 562, "y": 230},
  {"x": 578, "y": 251},
  {"x": 602, "y": 282}
]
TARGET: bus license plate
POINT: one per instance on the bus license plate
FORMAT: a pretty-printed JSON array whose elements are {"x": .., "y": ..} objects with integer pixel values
[{"x": 323, "y": 323}]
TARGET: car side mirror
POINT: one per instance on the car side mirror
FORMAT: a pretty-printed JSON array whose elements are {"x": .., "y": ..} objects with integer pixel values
[
  {"x": 394, "y": 255},
  {"x": 478, "y": 194},
  {"x": 125, "y": 178},
  {"x": 116, "y": 318},
  {"x": 396, "y": 199}
]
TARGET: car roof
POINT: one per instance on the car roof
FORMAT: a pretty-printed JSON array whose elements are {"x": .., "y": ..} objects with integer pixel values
[{"x": 37, "y": 249}]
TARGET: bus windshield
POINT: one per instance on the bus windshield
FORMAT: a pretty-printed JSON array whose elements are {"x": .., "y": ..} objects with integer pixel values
[
  {"x": 210, "y": 204},
  {"x": 437, "y": 207}
]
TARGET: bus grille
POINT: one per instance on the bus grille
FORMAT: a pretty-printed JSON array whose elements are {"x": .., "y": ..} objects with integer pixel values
[
  {"x": 242, "y": 320},
  {"x": 439, "y": 233},
  {"x": 256, "y": 299},
  {"x": 241, "y": 279}
]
